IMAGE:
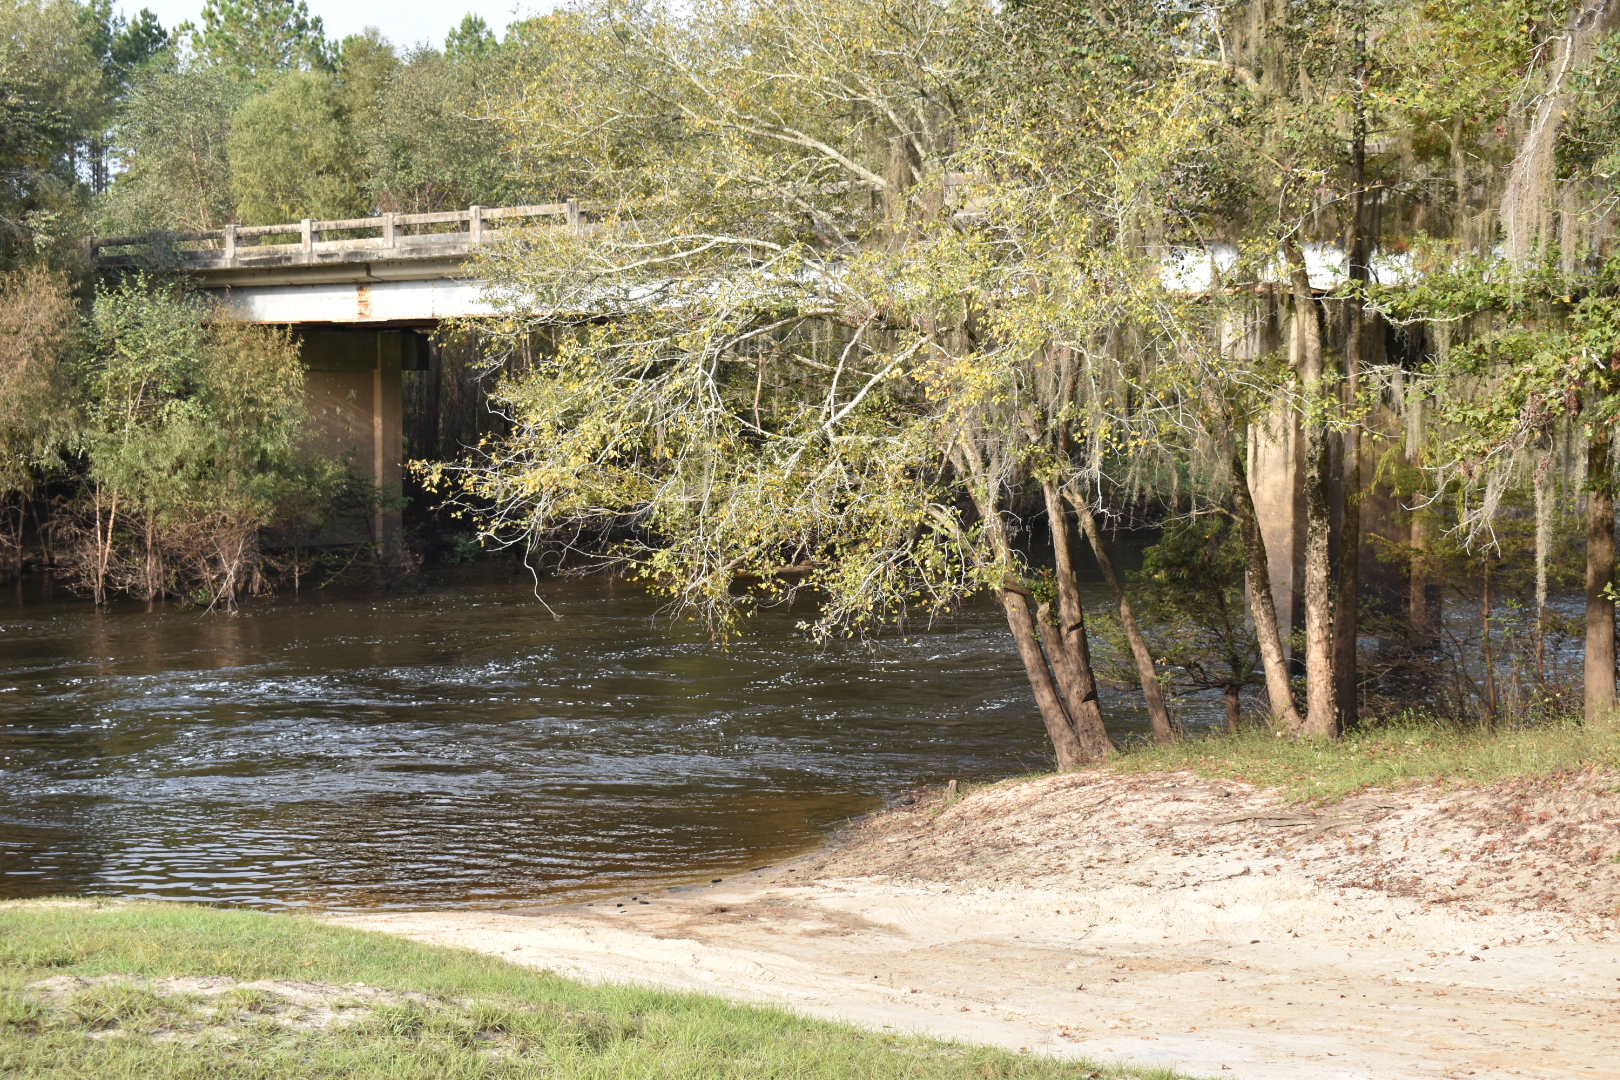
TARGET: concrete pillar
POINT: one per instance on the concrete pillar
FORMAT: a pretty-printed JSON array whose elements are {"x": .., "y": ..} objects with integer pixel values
[
  {"x": 352, "y": 393},
  {"x": 387, "y": 441}
]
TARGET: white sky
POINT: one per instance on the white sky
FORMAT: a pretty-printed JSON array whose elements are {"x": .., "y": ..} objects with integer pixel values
[{"x": 404, "y": 22}]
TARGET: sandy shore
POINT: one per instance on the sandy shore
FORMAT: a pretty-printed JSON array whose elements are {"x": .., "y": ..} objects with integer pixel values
[{"x": 1165, "y": 920}]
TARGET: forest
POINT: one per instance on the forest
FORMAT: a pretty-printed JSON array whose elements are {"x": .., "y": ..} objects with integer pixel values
[{"x": 886, "y": 305}]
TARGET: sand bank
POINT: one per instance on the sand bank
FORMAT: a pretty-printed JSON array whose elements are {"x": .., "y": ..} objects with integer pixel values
[{"x": 1162, "y": 920}]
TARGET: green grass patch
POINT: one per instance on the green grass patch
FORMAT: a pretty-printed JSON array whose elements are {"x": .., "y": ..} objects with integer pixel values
[
  {"x": 86, "y": 991},
  {"x": 1405, "y": 751}
]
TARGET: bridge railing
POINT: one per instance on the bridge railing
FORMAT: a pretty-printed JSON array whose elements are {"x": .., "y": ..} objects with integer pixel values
[{"x": 445, "y": 234}]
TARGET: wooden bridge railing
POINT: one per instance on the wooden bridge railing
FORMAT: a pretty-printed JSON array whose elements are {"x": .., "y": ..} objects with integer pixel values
[{"x": 446, "y": 234}]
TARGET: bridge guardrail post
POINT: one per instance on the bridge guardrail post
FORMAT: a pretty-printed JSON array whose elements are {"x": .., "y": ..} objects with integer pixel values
[
  {"x": 230, "y": 245},
  {"x": 388, "y": 229},
  {"x": 306, "y": 230},
  {"x": 475, "y": 224},
  {"x": 575, "y": 219}
]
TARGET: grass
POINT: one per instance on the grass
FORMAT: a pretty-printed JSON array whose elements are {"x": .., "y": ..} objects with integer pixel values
[
  {"x": 1406, "y": 751},
  {"x": 403, "y": 1010}
]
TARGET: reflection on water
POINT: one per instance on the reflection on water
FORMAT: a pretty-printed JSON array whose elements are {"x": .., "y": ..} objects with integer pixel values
[{"x": 459, "y": 746}]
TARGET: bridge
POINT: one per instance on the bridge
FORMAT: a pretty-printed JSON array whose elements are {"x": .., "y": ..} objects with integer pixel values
[
  {"x": 361, "y": 294},
  {"x": 391, "y": 270}
]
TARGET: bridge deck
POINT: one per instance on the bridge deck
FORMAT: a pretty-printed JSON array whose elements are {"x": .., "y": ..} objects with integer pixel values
[
  {"x": 410, "y": 269},
  {"x": 385, "y": 238}
]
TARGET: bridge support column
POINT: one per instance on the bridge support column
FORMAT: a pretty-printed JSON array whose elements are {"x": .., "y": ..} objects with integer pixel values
[{"x": 352, "y": 392}]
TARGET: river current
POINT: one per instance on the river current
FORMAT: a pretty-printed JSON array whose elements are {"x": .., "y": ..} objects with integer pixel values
[{"x": 458, "y": 745}]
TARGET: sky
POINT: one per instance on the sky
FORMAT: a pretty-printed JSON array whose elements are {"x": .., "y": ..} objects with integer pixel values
[{"x": 404, "y": 22}]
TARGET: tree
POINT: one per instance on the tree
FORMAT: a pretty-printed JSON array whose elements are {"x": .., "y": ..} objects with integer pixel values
[
  {"x": 1531, "y": 339},
  {"x": 39, "y": 327},
  {"x": 122, "y": 46},
  {"x": 366, "y": 66},
  {"x": 192, "y": 430},
  {"x": 433, "y": 146},
  {"x": 472, "y": 40},
  {"x": 50, "y": 103},
  {"x": 172, "y": 139},
  {"x": 830, "y": 344},
  {"x": 256, "y": 40},
  {"x": 291, "y": 155},
  {"x": 1190, "y": 593}
]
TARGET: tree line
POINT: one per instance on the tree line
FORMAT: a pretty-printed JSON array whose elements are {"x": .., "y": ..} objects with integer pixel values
[
  {"x": 896, "y": 302},
  {"x": 892, "y": 303},
  {"x": 145, "y": 448}
]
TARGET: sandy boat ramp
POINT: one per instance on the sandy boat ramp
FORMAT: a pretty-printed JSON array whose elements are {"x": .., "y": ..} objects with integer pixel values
[{"x": 1160, "y": 920}]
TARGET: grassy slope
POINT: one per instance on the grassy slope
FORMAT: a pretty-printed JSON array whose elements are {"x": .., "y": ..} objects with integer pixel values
[
  {"x": 483, "y": 1017},
  {"x": 1383, "y": 756}
]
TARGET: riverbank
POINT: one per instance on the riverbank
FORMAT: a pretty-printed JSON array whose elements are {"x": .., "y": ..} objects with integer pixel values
[
  {"x": 131, "y": 991},
  {"x": 1163, "y": 919}
]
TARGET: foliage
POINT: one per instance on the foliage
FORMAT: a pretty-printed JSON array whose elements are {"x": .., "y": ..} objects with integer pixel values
[
  {"x": 49, "y": 103},
  {"x": 173, "y": 139},
  {"x": 38, "y": 335},
  {"x": 256, "y": 40},
  {"x": 366, "y": 66},
  {"x": 431, "y": 145},
  {"x": 192, "y": 434},
  {"x": 1189, "y": 593},
  {"x": 472, "y": 39},
  {"x": 764, "y": 412},
  {"x": 39, "y": 326},
  {"x": 290, "y": 154}
]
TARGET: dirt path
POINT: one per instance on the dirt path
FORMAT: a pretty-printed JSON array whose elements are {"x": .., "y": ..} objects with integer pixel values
[{"x": 1166, "y": 921}]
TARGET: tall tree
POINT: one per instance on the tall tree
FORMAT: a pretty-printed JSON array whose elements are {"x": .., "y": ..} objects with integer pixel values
[
  {"x": 292, "y": 155},
  {"x": 833, "y": 346},
  {"x": 172, "y": 139},
  {"x": 192, "y": 430},
  {"x": 257, "y": 40},
  {"x": 471, "y": 40},
  {"x": 38, "y": 335},
  {"x": 366, "y": 67},
  {"x": 435, "y": 146},
  {"x": 122, "y": 45},
  {"x": 50, "y": 104}
]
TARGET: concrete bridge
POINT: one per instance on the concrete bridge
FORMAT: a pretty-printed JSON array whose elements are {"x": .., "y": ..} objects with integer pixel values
[{"x": 362, "y": 294}]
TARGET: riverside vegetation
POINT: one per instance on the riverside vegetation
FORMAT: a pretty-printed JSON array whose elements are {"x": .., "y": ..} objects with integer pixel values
[{"x": 888, "y": 303}]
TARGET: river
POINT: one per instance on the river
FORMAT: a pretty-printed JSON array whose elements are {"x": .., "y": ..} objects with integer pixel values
[{"x": 454, "y": 744}]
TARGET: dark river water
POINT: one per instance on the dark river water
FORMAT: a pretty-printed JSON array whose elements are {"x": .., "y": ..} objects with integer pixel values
[{"x": 456, "y": 745}]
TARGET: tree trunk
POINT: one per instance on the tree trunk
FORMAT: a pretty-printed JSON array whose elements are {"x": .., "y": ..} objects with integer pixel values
[
  {"x": 1045, "y": 661},
  {"x": 151, "y": 559},
  {"x": 1543, "y": 478},
  {"x": 1486, "y": 649},
  {"x": 1347, "y": 605},
  {"x": 1066, "y": 641},
  {"x": 1421, "y": 617},
  {"x": 1599, "y": 669},
  {"x": 1321, "y": 711},
  {"x": 104, "y": 546},
  {"x": 1262, "y": 604},
  {"x": 1165, "y": 727},
  {"x": 1071, "y": 754},
  {"x": 1232, "y": 693}
]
